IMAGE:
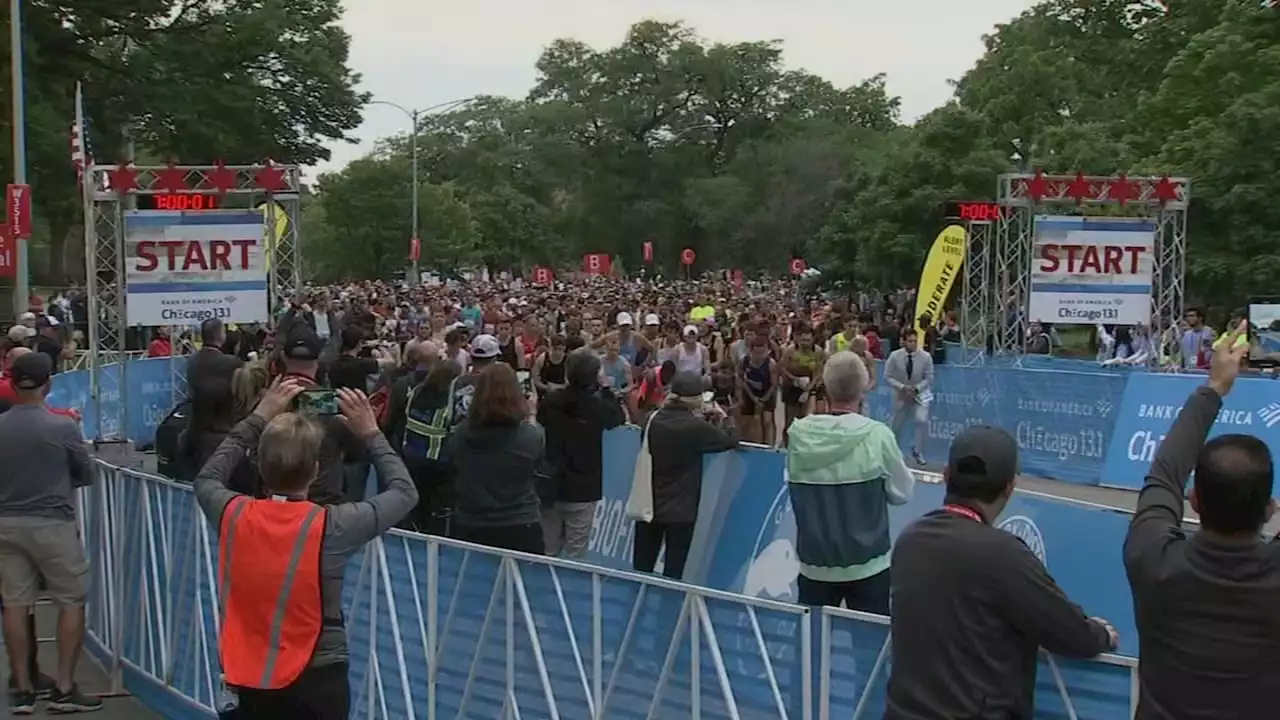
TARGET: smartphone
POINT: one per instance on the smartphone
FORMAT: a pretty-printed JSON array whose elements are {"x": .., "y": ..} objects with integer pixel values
[{"x": 318, "y": 402}]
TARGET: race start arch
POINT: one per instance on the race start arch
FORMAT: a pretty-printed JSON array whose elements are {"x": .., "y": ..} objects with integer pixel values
[
  {"x": 175, "y": 244},
  {"x": 1151, "y": 212}
]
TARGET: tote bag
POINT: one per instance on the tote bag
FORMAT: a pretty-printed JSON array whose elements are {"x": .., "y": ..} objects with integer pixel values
[{"x": 640, "y": 501}]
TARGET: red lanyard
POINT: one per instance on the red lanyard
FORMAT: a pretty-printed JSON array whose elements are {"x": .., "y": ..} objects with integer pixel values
[{"x": 964, "y": 512}]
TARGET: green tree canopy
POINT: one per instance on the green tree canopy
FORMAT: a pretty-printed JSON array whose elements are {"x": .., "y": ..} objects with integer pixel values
[{"x": 196, "y": 81}]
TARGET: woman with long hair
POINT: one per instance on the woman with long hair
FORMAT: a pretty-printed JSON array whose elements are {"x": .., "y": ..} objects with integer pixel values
[{"x": 496, "y": 454}]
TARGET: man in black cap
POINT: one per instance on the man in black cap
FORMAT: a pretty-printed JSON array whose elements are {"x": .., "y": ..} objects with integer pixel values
[
  {"x": 45, "y": 461},
  {"x": 680, "y": 435},
  {"x": 972, "y": 604},
  {"x": 48, "y": 339},
  {"x": 300, "y": 359}
]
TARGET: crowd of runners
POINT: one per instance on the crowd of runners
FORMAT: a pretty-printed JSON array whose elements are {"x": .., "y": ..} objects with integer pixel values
[{"x": 757, "y": 345}]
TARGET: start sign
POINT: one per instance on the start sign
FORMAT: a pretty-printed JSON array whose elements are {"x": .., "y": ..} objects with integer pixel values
[
  {"x": 1087, "y": 271},
  {"x": 182, "y": 268}
]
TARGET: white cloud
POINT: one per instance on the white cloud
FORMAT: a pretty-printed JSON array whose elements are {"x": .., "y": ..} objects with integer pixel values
[{"x": 420, "y": 53}]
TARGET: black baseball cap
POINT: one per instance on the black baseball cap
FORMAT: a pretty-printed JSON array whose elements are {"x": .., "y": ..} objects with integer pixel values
[
  {"x": 31, "y": 370},
  {"x": 982, "y": 458},
  {"x": 302, "y": 343}
]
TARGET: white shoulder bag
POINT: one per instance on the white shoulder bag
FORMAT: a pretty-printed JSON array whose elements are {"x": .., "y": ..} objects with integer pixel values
[{"x": 640, "y": 501}]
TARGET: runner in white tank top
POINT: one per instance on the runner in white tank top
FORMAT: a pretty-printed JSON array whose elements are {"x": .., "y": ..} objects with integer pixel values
[{"x": 687, "y": 360}]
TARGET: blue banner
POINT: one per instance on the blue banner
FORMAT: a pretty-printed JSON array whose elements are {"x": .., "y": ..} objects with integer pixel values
[
  {"x": 1152, "y": 401},
  {"x": 1063, "y": 421},
  {"x": 745, "y": 537},
  {"x": 150, "y": 397}
]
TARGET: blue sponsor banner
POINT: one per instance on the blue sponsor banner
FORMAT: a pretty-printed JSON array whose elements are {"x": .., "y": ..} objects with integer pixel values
[
  {"x": 1063, "y": 421},
  {"x": 745, "y": 538},
  {"x": 150, "y": 397},
  {"x": 1152, "y": 401}
]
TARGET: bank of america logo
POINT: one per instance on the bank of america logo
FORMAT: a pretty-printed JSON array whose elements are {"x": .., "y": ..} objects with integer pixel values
[
  {"x": 1104, "y": 407},
  {"x": 1270, "y": 415}
]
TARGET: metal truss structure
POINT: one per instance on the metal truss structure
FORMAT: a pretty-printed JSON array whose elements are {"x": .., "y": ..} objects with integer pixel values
[
  {"x": 1004, "y": 267},
  {"x": 109, "y": 191},
  {"x": 977, "y": 322}
]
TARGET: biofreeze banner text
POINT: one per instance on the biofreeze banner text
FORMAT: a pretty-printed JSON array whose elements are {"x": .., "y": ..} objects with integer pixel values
[{"x": 182, "y": 268}]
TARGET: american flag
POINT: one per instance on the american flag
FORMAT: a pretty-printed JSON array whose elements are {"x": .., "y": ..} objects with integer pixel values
[{"x": 81, "y": 153}]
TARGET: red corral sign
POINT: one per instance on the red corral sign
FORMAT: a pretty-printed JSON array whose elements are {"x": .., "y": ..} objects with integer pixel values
[
  {"x": 8, "y": 254},
  {"x": 797, "y": 266},
  {"x": 542, "y": 275},
  {"x": 688, "y": 256},
  {"x": 596, "y": 263},
  {"x": 18, "y": 202}
]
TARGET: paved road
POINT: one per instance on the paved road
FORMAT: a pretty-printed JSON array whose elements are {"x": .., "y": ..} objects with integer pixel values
[{"x": 89, "y": 677}]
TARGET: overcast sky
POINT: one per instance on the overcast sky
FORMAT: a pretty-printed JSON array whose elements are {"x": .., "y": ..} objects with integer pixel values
[{"x": 419, "y": 54}]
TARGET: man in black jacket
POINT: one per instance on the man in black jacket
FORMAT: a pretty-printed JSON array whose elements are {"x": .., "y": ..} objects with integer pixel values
[
  {"x": 972, "y": 604},
  {"x": 575, "y": 419},
  {"x": 300, "y": 359},
  {"x": 1207, "y": 603},
  {"x": 680, "y": 436},
  {"x": 209, "y": 372}
]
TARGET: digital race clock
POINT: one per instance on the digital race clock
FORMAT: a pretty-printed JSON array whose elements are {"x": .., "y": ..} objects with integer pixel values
[
  {"x": 978, "y": 211},
  {"x": 179, "y": 201}
]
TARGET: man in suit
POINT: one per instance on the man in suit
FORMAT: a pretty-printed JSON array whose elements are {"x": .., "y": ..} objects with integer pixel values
[
  {"x": 209, "y": 373},
  {"x": 909, "y": 373}
]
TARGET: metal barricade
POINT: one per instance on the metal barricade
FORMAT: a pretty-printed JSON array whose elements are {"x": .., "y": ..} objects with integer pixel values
[{"x": 440, "y": 628}]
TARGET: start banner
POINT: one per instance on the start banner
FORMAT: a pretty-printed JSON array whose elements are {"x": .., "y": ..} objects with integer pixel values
[
  {"x": 1087, "y": 271},
  {"x": 182, "y": 268}
]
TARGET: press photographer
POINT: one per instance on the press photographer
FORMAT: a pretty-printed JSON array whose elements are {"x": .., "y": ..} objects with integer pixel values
[{"x": 283, "y": 642}]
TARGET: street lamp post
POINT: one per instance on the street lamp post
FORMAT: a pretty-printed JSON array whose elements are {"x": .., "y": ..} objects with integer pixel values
[
  {"x": 22, "y": 281},
  {"x": 414, "y": 115}
]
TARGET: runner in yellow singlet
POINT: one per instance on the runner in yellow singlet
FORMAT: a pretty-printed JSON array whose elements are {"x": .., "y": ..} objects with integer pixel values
[{"x": 801, "y": 368}]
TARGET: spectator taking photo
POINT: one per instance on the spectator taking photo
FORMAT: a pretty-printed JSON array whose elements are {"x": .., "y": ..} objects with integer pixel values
[
  {"x": 1206, "y": 603},
  {"x": 283, "y": 643}
]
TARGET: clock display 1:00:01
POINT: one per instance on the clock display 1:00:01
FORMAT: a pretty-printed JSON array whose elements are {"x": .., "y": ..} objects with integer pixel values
[{"x": 178, "y": 201}]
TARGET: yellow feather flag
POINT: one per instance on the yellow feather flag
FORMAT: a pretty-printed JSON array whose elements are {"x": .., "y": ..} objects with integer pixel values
[
  {"x": 941, "y": 267},
  {"x": 275, "y": 221}
]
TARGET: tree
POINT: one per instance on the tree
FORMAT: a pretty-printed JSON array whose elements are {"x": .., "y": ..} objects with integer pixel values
[
  {"x": 670, "y": 139},
  {"x": 362, "y": 226},
  {"x": 240, "y": 80}
]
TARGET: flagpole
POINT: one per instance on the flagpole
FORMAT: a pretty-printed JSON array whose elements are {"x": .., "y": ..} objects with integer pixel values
[
  {"x": 87, "y": 189},
  {"x": 22, "y": 288}
]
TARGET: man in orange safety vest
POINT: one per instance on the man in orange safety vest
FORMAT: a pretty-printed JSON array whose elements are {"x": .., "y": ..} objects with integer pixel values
[{"x": 281, "y": 559}]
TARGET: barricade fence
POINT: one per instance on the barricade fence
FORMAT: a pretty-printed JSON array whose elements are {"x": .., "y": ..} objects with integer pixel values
[
  {"x": 439, "y": 628},
  {"x": 1095, "y": 427}
]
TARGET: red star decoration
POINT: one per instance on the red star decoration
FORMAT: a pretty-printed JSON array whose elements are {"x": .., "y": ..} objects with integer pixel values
[
  {"x": 1078, "y": 189},
  {"x": 221, "y": 178},
  {"x": 1037, "y": 187},
  {"x": 172, "y": 179},
  {"x": 1122, "y": 190},
  {"x": 270, "y": 178},
  {"x": 1166, "y": 190},
  {"x": 124, "y": 178}
]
